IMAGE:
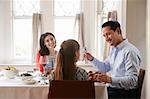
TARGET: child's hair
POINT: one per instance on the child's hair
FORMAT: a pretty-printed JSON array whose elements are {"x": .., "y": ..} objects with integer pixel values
[{"x": 66, "y": 59}]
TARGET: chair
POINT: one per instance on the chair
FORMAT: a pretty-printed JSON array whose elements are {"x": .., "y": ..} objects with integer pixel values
[
  {"x": 140, "y": 81},
  {"x": 71, "y": 89}
]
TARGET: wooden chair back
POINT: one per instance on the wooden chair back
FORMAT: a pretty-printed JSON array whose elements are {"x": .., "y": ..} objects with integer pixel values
[
  {"x": 71, "y": 89},
  {"x": 140, "y": 81}
]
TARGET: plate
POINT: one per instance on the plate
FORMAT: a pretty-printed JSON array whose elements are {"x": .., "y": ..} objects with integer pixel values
[{"x": 29, "y": 81}]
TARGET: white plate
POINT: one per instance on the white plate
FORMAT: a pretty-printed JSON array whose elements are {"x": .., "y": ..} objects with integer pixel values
[
  {"x": 26, "y": 77},
  {"x": 29, "y": 81}
]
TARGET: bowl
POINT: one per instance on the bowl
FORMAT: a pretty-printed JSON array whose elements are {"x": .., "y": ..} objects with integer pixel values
[
  {"x": 10, "y": 73},
  {"x": 26, "y": 76}
]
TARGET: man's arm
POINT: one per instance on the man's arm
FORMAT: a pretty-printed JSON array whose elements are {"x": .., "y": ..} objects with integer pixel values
[{"x": 101, "y": 66}]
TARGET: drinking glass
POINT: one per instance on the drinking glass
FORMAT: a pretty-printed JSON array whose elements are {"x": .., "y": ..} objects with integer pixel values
[
  {"x": 83, "y": 50},
  {"x": 50, "y": 62}
]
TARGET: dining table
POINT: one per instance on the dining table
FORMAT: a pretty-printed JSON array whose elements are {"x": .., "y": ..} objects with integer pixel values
[{"x": 16, "y": 88}]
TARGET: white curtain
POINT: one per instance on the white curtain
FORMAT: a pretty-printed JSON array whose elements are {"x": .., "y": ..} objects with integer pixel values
[
  {"x": 78, "y": 29},
  {"x": 37, "y": 31}
]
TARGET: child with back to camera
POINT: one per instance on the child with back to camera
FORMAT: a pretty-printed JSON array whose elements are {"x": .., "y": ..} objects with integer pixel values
[{"x": 66, "y": 68}]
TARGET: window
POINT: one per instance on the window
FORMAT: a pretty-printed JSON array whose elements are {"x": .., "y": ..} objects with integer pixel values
[
  {"x": 104, "y": 6},
  {"x": 22, "y": 27},
  {"x": 64, "y": 17}
]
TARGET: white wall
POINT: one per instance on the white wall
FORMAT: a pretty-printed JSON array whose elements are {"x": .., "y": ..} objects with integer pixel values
[
  {"x": 136, "y": 26},
  {"x": 1, "y": 32},
  {"x": 5, "y": 34},
  {"x": 148, "y": 50},
  {"x": 136, "y": 29}
]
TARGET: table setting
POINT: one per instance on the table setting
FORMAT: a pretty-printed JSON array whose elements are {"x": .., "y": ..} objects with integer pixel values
[
  {"x": 32, "y": 84},
  {"x": 12, "y": 76}
]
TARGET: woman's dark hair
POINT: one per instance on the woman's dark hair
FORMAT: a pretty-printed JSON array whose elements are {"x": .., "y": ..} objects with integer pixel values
[
  {"x": 66, "y": 60},
  {"x": 43, "y": 49},
  {"x": 113, "y": 25}
]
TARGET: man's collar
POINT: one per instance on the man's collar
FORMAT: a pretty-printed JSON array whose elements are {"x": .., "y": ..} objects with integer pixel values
[{"x": 122, "y": 44}]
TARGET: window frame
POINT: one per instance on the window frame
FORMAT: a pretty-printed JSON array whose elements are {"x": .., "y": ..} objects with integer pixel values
[
  {"x": 62, "y": 17},
  {"x": 19, "y": 59}
]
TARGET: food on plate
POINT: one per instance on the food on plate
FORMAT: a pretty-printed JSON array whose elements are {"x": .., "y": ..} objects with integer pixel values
[
  {"x": 10, "y": 68},
  {"x": 25, "y": 74},
  {"x": 10, "y": 72}
]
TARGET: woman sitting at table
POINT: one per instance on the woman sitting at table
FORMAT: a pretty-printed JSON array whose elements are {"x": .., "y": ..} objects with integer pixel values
[
  {"x": 45, "y": 58},
  {"x": 66, "y": 68}
]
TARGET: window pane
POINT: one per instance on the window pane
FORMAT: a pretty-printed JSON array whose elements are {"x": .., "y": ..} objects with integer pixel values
[
  {"x": 109, "y": 5},
  {"x": 66, "y": 7},
  {"x": 25, "y": 7},
  {"x": 22, "y": 32},
  {"x": 64, "y": 30}
]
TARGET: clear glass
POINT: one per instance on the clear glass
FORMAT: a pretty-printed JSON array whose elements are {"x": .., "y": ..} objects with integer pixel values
[
  {"x": 50, "y": 63},
  {"x": 83, "y": 51}
]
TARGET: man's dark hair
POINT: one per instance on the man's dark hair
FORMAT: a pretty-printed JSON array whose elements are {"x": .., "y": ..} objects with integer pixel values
[{"x": 113, "y": 25}]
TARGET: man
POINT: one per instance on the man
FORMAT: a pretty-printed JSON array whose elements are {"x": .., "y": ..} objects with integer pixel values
[{"x": 122, "y": 63}]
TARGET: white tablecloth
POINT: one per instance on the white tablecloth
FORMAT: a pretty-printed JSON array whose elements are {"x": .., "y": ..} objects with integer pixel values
[{"x": 16, "y": 89}]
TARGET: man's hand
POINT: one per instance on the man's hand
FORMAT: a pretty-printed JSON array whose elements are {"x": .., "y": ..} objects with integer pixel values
[
  {"x": 105, "y": 78},
  {"x": 88, "y": 56},
  {"x": 93, "y": 76},
  {"x": 100, "y": 77}
]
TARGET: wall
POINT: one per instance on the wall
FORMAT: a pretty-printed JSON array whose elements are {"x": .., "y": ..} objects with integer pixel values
[
  {"x": 136, "y": 26},
  {"x": 148, "y": 50},
  {"x": 5, "y": 34},
  {"x": 136, "y": 29},
  {"x": 1, "y": 32}
]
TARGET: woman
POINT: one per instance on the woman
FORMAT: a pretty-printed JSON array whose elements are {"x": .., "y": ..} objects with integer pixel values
[
  {"x": 47, "y": 53},
  {"x": 66, "y": 68}
]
